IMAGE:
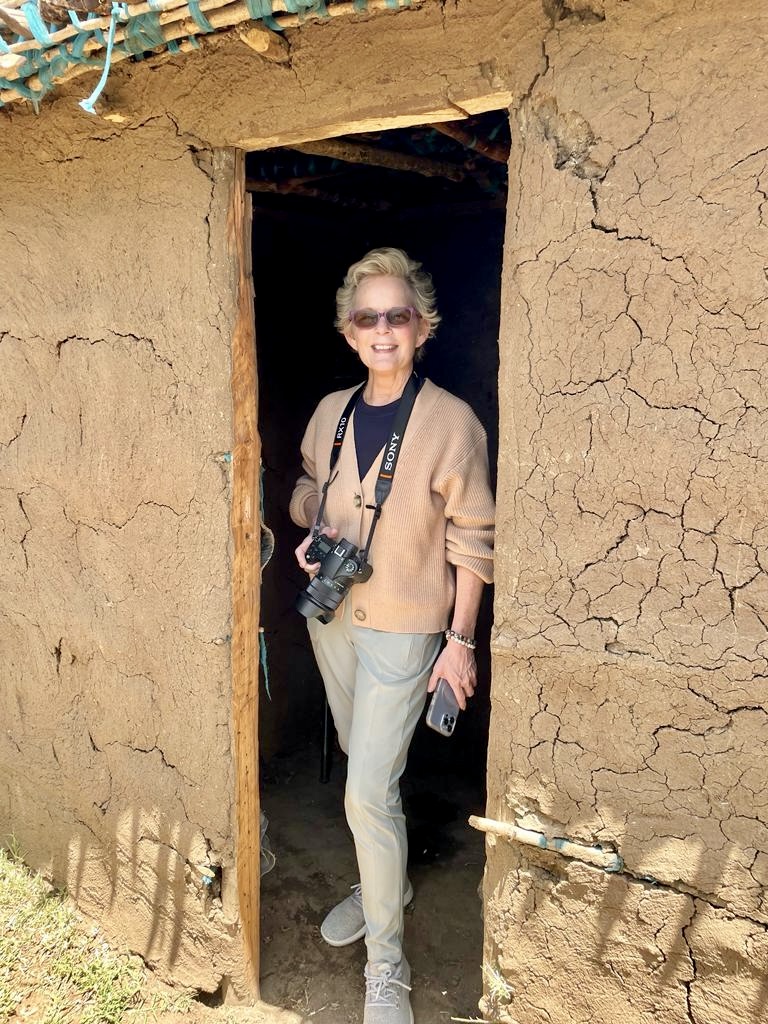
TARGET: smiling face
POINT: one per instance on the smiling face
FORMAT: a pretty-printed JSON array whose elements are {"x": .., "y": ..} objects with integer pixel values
[{"x": 387, "y": 351}]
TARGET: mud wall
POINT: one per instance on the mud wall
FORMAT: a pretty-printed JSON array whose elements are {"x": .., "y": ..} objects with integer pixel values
[
  {"x": 630, "y": 643},
  {"x": 115, "y": 421},
  {"x": 631, "y": 615},
  {"x": 434, "y": 61},
  {"x": 115, "y": 411}
]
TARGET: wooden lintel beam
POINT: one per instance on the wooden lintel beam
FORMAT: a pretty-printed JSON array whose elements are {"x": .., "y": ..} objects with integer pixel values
[
  {"x": 356, "y": 153},
  {"x": 337, "y": 129},
  {"x": 491, "y": 150}
]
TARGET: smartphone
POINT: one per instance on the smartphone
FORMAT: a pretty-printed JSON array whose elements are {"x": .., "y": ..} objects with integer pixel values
[{"x": 443, "y": 709}]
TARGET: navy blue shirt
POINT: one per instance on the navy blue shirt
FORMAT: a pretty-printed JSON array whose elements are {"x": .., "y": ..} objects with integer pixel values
[{"x": 373, "y": 428}]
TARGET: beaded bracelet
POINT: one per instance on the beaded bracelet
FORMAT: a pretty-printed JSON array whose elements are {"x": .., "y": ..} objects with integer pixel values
[{"x": 459, "y": 638}]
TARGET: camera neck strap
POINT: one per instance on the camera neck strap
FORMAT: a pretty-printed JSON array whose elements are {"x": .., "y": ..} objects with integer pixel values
[{"x": 389, "y": 459}]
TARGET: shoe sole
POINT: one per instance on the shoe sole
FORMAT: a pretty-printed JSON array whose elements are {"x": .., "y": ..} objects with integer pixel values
[
  {"x": 344, "y": 942},
  {"x": 336, "y": 943}
]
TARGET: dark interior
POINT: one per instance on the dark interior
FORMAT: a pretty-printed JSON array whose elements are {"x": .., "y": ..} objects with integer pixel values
[{"x": 313, "y": 216}]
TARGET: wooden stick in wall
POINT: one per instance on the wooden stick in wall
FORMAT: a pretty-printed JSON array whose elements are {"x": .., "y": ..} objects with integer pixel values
[
  {"x": 17, "y": 23},
  {"x": 492, "y": 150},
  {"x": 165, "y": 18},
  {"x": 134, "y": 10}
]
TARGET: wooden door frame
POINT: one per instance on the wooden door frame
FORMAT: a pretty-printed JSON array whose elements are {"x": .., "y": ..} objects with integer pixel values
[
  {"x": 245, "y": 516},
  {"x": 245, "y": 522}
]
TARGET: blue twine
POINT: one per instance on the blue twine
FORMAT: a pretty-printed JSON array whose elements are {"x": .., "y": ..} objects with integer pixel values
[
  {"x": 263, "y": 660},
  {"x": 143, "y": 33},
  {"x": 314, "y": 7},
  {"x": 53, "y": 69},
  {"x": 77, "y": 52},
  {"x": 81, "y": 26},
  {"x": 197, "y": 14},
  {"x": 36, "y": 23},
  {"x": 261, "y": 10},
  {"x": 23, "y": 90},
  {"x": 87, "y": 105}
]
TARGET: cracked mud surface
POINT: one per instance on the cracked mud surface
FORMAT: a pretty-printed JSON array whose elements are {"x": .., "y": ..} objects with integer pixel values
[
  {"x": 114, "y": 503},
  {"x": 631, "y": 653}
]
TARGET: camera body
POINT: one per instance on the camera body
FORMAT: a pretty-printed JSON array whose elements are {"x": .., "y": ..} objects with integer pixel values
[{"x": 341, "y": 565}]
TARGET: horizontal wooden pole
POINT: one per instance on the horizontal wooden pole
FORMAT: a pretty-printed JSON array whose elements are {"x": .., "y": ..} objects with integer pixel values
[
  {"x": 484, "y": 147},
  {"x": 356, "y": 153},
  {"x": 608, "y": 860}
]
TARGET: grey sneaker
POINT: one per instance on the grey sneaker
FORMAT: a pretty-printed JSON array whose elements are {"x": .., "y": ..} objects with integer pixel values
[
  {"x": 346, "y": 923},
  {"x": 387, "y": 988}
]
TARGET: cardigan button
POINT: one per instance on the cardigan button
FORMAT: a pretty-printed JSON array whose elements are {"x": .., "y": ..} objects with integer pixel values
[{"x": 359, "y": 614}]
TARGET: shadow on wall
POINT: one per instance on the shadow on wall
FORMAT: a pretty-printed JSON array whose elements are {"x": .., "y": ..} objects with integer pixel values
[
  {"x": 674, "y": 953},
  {"x": 666, "y": 766},
  {"x": 155, "y": 888}
]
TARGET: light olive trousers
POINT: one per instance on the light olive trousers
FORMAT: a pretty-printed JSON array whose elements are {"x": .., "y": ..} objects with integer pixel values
[{"x": 376, "y": 683}]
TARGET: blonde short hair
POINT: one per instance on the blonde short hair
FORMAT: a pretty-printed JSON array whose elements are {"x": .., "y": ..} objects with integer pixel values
[{"x": 391, "y": 263}]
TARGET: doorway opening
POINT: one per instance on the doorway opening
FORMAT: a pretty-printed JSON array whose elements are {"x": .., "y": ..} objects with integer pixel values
[{"x": 439, "y": 193}]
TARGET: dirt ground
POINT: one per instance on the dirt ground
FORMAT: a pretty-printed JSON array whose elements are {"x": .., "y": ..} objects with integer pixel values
[{"x": 316, "y": 865}]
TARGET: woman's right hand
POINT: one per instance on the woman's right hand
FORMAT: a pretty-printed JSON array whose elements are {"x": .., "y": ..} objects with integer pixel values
[{"x": 312, "y": 567}]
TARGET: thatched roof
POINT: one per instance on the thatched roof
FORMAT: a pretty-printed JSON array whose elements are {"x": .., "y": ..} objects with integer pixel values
[{"x": 45, "y": 42}]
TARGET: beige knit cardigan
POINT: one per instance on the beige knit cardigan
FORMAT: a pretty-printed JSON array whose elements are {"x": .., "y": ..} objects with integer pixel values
[{"x": 439, "y": 514}]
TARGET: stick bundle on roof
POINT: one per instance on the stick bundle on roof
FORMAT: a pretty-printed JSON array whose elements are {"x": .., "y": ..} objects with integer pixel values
[{"x": 51, "y": 55}]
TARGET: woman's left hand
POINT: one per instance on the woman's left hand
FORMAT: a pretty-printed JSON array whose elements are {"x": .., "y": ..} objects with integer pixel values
[{"x": 456, "y": 664}]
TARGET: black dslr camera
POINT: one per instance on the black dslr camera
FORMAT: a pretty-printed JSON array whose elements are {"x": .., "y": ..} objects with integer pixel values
[{"x": 341, "y": 564}]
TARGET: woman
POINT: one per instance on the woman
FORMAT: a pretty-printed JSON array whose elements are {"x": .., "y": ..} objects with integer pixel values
[{"x": 431, "y": 554}]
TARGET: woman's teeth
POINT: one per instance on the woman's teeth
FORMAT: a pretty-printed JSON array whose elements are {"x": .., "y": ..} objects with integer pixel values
[{"x": 384, "y": 348}]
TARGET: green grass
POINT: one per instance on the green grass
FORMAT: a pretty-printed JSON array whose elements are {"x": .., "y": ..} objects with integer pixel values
[{"x": 55, "y": 970}]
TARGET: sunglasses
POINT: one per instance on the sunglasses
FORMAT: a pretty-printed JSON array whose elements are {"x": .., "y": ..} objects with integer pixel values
[{"x": 397, "y": 316}]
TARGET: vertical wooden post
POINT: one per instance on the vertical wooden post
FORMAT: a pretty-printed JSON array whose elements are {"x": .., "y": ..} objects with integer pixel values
[{"x": 246, "y": 572}]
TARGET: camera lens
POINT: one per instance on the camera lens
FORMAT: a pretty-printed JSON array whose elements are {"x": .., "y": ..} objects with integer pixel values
[
  {"x": 312, "y": 609},
  {"x": 339, "y": 569}
]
